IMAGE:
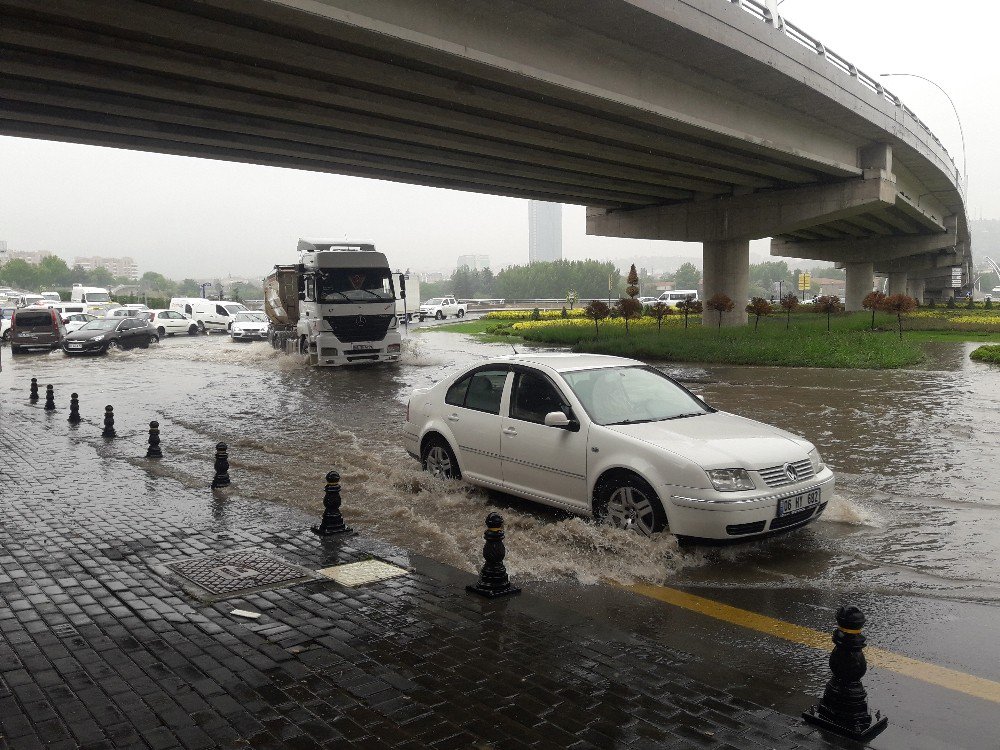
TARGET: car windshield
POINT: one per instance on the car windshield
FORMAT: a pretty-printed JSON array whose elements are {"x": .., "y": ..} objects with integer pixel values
[
  {"x": 98, "y": 297},
  {"x": 628, "y": 395},
  {"x": 232, "y": 309},
  {"x": 434, "y": 301},
  {"x": 354, "y": 285},
  {"x": 249, "y": 317},
  {"x": 101, "y": 325}
]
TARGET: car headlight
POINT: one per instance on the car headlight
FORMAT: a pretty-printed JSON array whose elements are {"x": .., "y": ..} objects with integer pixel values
[
  {"x": 731, "y": 480},
  {"x": 98, "y": 338},
  {"x": 816, "y": 460},
  {"x": 237, "y": 329}
]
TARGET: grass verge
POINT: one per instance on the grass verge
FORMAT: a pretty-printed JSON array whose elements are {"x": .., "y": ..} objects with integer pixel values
[{"x": 989, "y": 354}]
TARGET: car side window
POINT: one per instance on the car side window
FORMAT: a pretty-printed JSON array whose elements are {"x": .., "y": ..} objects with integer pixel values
[
  {"x": 481, "y": 391},
  {"x": 456, "y": 394},
  {"x": 533, "y": 397},
  {"x": 219, "y": 309}
]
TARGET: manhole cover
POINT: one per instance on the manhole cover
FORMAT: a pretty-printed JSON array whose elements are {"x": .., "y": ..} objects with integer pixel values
[
  {"x": 235, "y": 573},
  {"x": 360, "y": 573}
]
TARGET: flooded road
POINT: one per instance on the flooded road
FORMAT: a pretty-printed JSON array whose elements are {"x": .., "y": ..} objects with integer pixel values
[{"x": 913, "y": 534}]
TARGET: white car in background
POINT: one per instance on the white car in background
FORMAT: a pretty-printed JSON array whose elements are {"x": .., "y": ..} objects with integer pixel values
[
  {"x": 617, "y": 440},
  {"x": 169, "y": 322},
  {"x": 249, "y": 326},
  {"x": 6, "y": 315},
  {"x": 76, "y": 321}
]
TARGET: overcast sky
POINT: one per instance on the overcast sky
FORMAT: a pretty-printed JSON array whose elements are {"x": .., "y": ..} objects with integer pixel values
[{"x": 193, "y": 217}]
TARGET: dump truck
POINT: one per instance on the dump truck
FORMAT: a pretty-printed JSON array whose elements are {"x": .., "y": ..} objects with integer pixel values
[{"x": 336, "y": 306}]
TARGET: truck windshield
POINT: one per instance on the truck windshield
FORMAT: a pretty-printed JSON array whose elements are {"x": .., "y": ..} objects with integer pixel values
[
  {"x": 97, "y": 297},
  {"x": 354, "y": 285}
]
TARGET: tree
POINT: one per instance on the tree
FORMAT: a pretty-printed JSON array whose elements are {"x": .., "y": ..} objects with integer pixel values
[
  {"x": 188, "y": 288},
  {"x": 101, "y": 277},
  {"x": 632, "y": 290},
  {"x": 596, "y": 310},
  {"x": 659, "y": 310},
  {"x": 874, "y": 301},
  {"x": 759, "y": 306},
  {"x": 687, "y": 277},
  {"x": 899, "y": 304},
  {"x": 828, "y": 305},
  {"x": 20, "y": 273},
  {"x": 629, "y": 308},
  {"x": 721, "y": 303},
  {"x": 156, "y": 282},
  {"x": 789, "y": 302},
  {"x": 53, "y": 271},
  {"x": 689, "y": 306}
]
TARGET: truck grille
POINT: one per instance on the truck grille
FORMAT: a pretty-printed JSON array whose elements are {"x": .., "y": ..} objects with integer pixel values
[
  {"x": 776, "y": 476},
  {"x": 350, "y": 328}
]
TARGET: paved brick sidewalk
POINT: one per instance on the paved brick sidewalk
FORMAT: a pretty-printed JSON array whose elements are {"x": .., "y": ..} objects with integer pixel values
[{"x": 98, "y": 649}]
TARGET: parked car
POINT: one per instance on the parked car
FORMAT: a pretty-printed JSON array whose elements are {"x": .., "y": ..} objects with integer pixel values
[
  {"x": 209, "y": 315},
  {"x": 169, "y": 322},
  {"x": 6, "y": 316},
  {"x": 36, "y": 327},
  {"x": 675, "y": 297},
  {"x": 440, "y": 308},
  {"x": 617, "y": 440},
  {"x": 249, "y": 326},
  {"x": 98, "y": 336},
  {"x": 76, "y": 321}
]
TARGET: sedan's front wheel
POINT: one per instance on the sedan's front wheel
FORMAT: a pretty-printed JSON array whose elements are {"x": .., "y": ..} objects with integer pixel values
[
  {"x": 627, "y": 501},
  {"x": 439, "y": 461}
]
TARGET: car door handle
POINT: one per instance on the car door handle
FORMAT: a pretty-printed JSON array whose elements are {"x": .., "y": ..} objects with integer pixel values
[
  {"x": 453, "y": 417},
  {"x": 510, "y": 431}
]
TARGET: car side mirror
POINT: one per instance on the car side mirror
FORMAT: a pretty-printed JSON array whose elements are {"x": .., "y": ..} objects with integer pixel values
[{"x": 560, "y": 420}]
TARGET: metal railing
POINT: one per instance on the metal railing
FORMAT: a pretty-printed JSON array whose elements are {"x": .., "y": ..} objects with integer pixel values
[{"x": 760, "y": 11}]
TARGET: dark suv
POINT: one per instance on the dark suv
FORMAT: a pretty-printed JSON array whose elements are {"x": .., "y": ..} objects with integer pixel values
[{"x": 36, "y": 328}]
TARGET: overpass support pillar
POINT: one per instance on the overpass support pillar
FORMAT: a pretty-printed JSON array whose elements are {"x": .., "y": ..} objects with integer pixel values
[
  {"x": 727, "y": 271},
  {"x": 897, "y": 282},
  {"x": 915, "y": 288},
  {"x": 860, "y": 280}
]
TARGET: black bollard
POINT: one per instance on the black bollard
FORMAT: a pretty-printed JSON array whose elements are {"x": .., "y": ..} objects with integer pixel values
[
  {"x": 50, "y": 398},
  {"x": 844, "y": 706},
  {"x": 109, "y": 422},
  {"x": 221, "y": 466},
  {"x": 33, "y": 397},
  {"x": 74, "y": 409},
  {"x": 493, "y": 580},
  {"x": 154, "y": 441},
  {"x": 333, "y": 521}
]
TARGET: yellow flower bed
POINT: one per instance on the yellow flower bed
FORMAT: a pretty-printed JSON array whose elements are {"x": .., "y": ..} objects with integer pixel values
[
  {"x": 984, "y": 319},
  {"x": 526, "y": 314},
  {"x": 636, "y": 324}
]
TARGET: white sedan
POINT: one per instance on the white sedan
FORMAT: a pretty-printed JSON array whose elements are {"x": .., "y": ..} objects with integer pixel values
[
  {"x": 76, "y": 321},
  {"x": 249, "y": 325},
  {"x": 170, "y": 322},
  {"x": 619, "y": 441}
]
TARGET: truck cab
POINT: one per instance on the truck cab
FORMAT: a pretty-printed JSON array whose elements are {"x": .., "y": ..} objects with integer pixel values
[{"x": 97, "y": 299}]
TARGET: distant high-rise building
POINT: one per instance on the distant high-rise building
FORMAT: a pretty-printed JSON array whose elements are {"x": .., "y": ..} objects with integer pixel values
[
  {"x": 118, "y": 266},
  {"x": 544, "y": 231},
  {"x": 473, "y": 262}
]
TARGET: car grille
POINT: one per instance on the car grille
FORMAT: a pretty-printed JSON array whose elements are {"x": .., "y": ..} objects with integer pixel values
[
  {"x": 800, "y": 516},
  {"x": 754, "y": 527},
  {"x": 776, "y": 476},
  {"x": 350, "y": 328}
]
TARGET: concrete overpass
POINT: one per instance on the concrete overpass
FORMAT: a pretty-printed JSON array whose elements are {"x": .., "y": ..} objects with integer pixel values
[{"x": 703, "y": 120}]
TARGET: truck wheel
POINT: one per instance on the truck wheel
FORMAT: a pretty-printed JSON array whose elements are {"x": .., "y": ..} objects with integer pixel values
[
  {"x": 439, "y": 315},
  {"x": 461, "y": 314},
  {"x": 304, "y": 346}
]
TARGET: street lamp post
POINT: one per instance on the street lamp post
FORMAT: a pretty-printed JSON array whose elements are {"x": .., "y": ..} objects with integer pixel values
[{"x": 961, "y": 132}]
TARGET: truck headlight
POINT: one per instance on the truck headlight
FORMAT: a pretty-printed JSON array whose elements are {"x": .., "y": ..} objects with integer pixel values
[
  {"x": 816, "y": 460},
  {"x": 731, "y": 480}
]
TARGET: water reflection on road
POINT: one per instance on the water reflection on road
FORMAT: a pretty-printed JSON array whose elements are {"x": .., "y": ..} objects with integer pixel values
[{"x": 917, "y": 509}]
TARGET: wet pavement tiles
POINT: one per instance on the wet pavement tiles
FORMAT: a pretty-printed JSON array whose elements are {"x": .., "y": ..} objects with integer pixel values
[{"x": 100, "y": 647}]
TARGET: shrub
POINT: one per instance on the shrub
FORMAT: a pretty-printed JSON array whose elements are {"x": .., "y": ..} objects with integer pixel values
[
  {"x": 721, "y": 303},
  {"x": 789, "y": 302},
  {"x": 901, "y": 304},
  {"x": 659, "y": 310},
  {"x": 596, "y": 311},
  {"x": 759, "y": 306},
  {"x": 931, "y": 304},
  {"x": 629, "y": 309},
  {"x": 565, "y": 313},
  {"x": 874, "y": 301},
  {"x": 970, "y": 305},
  {"x": 829, "y": 306},
  {"x": 950, "y": 304},
  {"x": 987, "y": 354},
  {"x": 988, "y": 305},
  {"x": 689, "y": 306},
  {"x": 535, "y": 314}
]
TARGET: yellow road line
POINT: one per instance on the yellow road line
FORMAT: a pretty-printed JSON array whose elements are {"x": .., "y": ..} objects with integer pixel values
[{"x": 951, "y": 679}]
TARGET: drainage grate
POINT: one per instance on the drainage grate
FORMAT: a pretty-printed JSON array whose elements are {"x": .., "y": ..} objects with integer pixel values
[
  {"x": 237, "y": 573},
  {"x": 360, "y": 573}
]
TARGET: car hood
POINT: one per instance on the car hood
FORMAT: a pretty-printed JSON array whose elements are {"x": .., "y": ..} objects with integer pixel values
[
  {"x": 82, "y": 335},
  {"x": 720, "y": 440}
]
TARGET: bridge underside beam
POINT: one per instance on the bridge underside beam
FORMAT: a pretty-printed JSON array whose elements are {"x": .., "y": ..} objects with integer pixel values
[
  {"x": 763, "y": 214},
  {"x": 863, "y": 249}
]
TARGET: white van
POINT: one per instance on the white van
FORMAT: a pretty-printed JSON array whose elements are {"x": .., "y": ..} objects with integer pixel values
[
  {"x": 94, "y": 297},
  {"x": 673, "y": 298},
  {"x": 209, "y": 315},
  {"x": 51, "y": 296},
  {"x": 27, "y": 300}
]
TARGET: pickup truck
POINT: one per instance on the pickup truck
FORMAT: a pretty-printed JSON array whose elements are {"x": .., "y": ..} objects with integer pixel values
[{"x": 440, "y": 308}]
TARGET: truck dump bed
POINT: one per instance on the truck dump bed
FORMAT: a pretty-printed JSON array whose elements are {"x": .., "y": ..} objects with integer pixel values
[{"x": 281, "y": 296}]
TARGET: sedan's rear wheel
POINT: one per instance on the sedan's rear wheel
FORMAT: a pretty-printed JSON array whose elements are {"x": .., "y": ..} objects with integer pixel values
[
  {"x": 161, "y": 331},
  {"x": 6, "y": 335},
  {"x": 192, "y": 330},
  {"x": 439, "y": 461},
  {"x": 627, "y": 501}
]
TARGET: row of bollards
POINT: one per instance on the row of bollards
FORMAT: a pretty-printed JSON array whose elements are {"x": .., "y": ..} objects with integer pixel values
[{"x": 843, "y": 709}]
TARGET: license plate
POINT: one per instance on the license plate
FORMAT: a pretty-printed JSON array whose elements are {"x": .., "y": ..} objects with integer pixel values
[
  {"x": 796, "y": 503},
  {"x": 74, "y": 346},
  {"x": 364, "y": 347}
]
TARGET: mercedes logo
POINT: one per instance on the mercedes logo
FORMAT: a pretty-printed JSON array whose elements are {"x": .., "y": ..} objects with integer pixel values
[
  {"x": 791, "y": 473},
  {"x": 361, "y": 321}
]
